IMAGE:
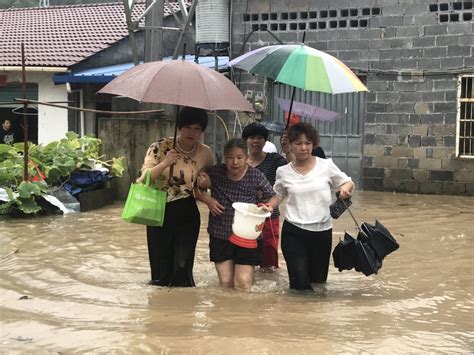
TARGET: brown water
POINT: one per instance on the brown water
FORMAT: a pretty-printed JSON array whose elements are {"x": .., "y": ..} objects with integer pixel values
[{"x": 85, "y": 277}]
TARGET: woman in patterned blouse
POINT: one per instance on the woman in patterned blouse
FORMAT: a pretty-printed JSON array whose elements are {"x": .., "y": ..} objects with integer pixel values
[{"x": 171, "y": 247}]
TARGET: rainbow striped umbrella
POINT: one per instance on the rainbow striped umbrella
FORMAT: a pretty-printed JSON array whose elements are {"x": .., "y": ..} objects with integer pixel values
[{"x": 302, "y": 67}]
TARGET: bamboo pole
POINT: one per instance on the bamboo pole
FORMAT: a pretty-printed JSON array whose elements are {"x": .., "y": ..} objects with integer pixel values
[{"x": 87, "y": 109}]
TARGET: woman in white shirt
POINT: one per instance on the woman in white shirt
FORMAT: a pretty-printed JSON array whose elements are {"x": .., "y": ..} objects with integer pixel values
[{"x": 306, "y": 182}]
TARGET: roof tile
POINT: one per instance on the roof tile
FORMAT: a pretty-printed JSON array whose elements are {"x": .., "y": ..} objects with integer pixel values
[{"x": 62, "y": 36}]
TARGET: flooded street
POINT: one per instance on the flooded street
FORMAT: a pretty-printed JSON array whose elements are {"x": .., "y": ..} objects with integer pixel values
[{"x": 78, "y": 283}]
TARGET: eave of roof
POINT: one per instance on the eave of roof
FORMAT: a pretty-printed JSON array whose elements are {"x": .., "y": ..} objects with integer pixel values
[{"x": 105, "y": 74}]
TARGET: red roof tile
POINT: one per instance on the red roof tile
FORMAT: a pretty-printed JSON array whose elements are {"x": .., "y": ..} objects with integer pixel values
[{"x": 61, "y": 36}]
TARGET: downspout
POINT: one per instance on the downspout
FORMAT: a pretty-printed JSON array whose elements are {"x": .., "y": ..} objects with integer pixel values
[
  {"x": 81, "y": 105},
  {"x": 81, "y": 113}
]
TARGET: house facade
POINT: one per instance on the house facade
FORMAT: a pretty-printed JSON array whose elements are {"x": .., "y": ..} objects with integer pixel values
[
  {"x": 414, "y": 130},
  {"x": 58, "y": 41}
]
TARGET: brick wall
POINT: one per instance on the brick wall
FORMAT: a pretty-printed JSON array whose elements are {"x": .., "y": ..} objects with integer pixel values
[{"x": 411, "y": 55}]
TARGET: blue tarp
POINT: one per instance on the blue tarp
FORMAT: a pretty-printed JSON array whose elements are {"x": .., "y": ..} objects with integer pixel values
[
  {"x": 103, "y": 75},
  {"x": 85, "y": 180}
]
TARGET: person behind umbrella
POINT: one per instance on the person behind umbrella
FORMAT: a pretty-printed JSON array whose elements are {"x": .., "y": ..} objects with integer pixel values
[
  {"x": 233, "y": 181},
  {"x": 171, "y": 247},
  {"x": 255, "y": 135},
  {"x": 306, "y": 183}
]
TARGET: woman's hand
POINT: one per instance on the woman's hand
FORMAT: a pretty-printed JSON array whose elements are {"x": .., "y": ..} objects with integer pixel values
[
  {"x": 285, "y": 143},
  {"x": 215, "y": 207},
  {"x": 345, "y": 190},
  {"x": 203, "y": 181},
  {"x": 285, "y": 147},
  {"x": 265, "y": 207},
  {"x": 170, "y": 158}
]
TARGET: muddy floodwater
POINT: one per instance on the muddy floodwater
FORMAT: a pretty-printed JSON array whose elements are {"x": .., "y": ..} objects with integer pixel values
[{"x": 78, "y": 283}]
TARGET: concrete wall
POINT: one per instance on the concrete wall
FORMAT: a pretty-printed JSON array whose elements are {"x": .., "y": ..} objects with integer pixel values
[
  {"x": 130, "y": 137},
  {"x": 410, "y": 53}
]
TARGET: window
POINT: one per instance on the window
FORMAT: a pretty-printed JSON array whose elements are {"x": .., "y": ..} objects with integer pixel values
[{"x": 465, "y": 118}]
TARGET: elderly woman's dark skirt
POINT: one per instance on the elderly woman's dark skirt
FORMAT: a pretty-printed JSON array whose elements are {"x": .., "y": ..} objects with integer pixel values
[{"x": 171, "y": 247}]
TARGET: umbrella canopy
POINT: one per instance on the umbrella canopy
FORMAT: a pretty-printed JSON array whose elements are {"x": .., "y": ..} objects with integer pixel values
[
  {"x": 302, "y": 67},
  {"x": 310, "y": 111},
  {"x": 373, "y": 244},
  {"x": 178, "y": 82},
  {"x": 345, "y": 253},
  {"x": 379, "y": 238},
  {"x": 355, "y": 253}
]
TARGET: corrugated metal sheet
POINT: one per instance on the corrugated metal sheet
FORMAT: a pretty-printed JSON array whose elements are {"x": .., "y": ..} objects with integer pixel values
[{"x": 341, "y": 139}]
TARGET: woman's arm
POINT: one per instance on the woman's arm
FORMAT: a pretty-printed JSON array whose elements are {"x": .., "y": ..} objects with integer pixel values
[
  {"x": 345, "y": 190},
  {"x": 214, "y": 206},
  {"x": 203, "y": 181},
  {"x": 151, "y": 162},
  {"x": 170, "y": 159},
  {"x": 271, "y": 204}
]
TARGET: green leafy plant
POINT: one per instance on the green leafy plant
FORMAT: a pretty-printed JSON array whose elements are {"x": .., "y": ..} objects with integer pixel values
[{"x": 48, "y": 166}]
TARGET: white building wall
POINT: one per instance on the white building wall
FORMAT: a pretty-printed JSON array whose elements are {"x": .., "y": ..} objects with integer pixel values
[{"x": 52, "y": 121}]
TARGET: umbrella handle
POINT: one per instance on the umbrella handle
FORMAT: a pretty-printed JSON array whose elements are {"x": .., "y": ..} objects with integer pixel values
[
  {"x": 175, "y": 133},
  {"x": 291, "y": 108},
  {"x": 350, "y": 212}
]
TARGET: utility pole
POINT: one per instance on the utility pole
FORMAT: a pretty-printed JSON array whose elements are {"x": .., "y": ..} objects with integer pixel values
[
  {"x": 154, "y": 31},
  {"x": 131, "y": 29}
]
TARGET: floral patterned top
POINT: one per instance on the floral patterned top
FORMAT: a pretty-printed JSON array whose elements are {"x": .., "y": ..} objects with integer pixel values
[{"x": 185, "y": 171}]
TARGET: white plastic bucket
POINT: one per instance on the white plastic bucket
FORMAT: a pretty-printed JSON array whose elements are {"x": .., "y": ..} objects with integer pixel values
[{"x": 248, "y": 220}]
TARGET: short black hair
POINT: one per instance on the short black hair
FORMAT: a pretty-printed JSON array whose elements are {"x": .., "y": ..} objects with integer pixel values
[
  {"x": 192, "y": 115},
  {"x": 254, "y": 129},
  {"x": 236, "y": 143},
  {"x": 300, "y": 128}
]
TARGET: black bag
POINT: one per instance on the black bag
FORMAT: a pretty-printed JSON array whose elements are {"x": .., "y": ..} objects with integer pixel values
[
  {"x": 339, "y": 206},
  {"x": 345, "y": 253}
]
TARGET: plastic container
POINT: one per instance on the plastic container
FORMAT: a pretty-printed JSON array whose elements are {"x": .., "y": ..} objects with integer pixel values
[{"x": 247, "y": 225}]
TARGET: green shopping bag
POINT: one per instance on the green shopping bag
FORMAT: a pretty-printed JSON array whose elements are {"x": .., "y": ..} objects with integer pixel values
[{"x": 145, "y": 204}]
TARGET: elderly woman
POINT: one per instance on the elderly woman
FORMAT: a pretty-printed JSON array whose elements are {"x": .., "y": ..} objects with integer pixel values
[
  {"x": 171, "y": 247},
  {"x": 306, "y": 182},
  {"x": 233, "y": 181}
]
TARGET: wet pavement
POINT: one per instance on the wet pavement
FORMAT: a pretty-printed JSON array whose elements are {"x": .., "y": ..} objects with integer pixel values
[{"x": 78, "y": 283}]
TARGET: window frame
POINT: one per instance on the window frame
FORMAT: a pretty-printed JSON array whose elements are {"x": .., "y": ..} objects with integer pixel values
[{"x": 460, "y": 101}]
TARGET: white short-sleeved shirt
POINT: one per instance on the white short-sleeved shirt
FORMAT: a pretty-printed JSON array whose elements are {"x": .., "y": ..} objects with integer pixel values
[
  {"x": 269, "y": 147},
  {"x": 309, "y": 196}
]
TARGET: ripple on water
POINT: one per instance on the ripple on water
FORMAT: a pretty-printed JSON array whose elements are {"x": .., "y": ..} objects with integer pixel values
[{"x": 86, "y": 276}]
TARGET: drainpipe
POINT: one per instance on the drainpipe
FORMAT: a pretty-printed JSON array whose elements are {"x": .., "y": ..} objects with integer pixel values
[
  {"x": 81, "y": 113},
  {"x": 81, "y": 105}
]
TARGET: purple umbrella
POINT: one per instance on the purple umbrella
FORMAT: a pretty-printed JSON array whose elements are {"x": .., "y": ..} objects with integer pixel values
[{"x": 314, "y": 112}]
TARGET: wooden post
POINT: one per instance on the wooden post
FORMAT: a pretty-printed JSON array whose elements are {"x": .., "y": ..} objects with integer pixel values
[{"x": 25, "y": 116}]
